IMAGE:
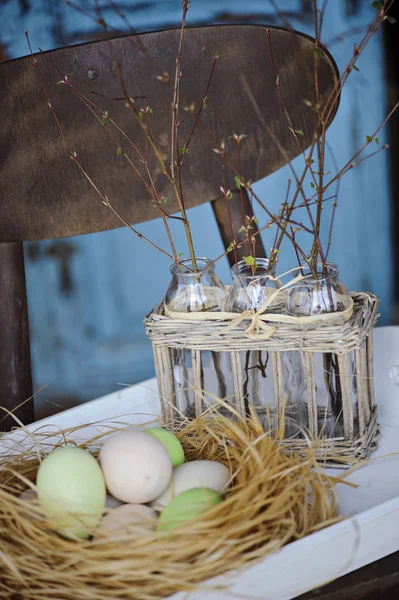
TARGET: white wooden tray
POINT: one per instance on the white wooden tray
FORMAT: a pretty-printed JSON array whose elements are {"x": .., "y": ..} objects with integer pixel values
[{"x": 370, "y": 531}]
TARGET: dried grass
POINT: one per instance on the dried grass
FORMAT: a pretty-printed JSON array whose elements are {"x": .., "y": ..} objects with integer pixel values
[{"x": 276, "y": 497}]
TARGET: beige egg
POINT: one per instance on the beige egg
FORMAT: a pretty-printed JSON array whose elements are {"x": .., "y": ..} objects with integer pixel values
[
  {"x": 208, "y": 474},
  {"x": 136, "y": 466},
  {"x": 129, "y": 519}
]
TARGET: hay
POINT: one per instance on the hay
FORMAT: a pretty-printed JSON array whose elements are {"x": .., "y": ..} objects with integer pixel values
[{"x": 276, "y": 496}]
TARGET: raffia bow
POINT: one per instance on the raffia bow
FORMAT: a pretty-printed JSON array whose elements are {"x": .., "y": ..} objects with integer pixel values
[{"x": 257, "y": 329}]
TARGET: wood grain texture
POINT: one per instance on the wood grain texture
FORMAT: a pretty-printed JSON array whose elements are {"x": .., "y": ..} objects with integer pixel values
[
  {"x": 42, "y": 194},
  {"x": 15, "y": 367}
]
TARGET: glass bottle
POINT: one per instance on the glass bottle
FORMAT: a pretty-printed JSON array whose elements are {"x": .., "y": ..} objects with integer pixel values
[
  {"x": 197, "y": 292},
  {"x": 319, "y": 292},
  {"x": 251, "y": 287},
  {"x": 194, "y": 292}
]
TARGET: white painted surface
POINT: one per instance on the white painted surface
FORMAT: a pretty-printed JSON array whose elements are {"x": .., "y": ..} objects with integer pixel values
[{"x": 370, "y": 532}]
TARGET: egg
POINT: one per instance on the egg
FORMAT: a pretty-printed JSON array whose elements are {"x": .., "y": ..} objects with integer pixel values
[
  {"x": 136, "y": 466},
  {"x": 132, "y": 519},
  {"x": 71, "y": 491},
  {"x": 171, "y": 443},
  {"x": 186, "y": 507},
  {"x": 195, "y": 474}
]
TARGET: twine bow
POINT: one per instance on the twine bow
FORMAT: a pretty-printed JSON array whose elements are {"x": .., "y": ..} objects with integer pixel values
[{"x": 257, "y": 329}]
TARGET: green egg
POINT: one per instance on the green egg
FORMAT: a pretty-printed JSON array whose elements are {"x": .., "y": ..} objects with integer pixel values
[
  {"x": 187, "y": 506},
  {"x": 71, "y": 491},
  {"x": 170, "y": 443}
]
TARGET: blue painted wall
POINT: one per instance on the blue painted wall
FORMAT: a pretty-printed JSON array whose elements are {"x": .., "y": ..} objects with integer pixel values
[{"x": 88, "y": 295}]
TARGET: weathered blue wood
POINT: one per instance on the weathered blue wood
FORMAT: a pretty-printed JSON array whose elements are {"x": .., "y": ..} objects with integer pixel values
[
  {"x": 88, "y": 295},
  {"x": 362, "y": 236}
]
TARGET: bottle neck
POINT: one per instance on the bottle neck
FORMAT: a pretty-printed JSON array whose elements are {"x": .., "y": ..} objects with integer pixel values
[
  {"x": 325, "y": 273},
  {"x": 262, "y": 271},
  {"x": 184, "y": 272}
]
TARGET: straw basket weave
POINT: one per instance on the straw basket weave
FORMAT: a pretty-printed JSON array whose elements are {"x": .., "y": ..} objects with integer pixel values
[{"x": 347, "y": 340}]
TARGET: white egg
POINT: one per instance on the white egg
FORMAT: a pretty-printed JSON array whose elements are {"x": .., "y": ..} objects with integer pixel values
[
  {"x": 132, "y": 519},
  {"x": 136, "y": 466},
  {"x": 195, "y": 474}
]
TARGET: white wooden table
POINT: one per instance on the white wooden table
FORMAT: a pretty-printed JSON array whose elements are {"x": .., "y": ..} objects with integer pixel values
[{"x": 370, "y": 531}]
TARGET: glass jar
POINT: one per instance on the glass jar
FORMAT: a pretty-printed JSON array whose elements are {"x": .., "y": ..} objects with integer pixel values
[
  {"x": 195, "y": 292},
  {"x": 252, "y": 286},
  {"x": 249, "y": 290},
  {"x": 190, "y": 292},
  {"x": 318, "y": 293}
]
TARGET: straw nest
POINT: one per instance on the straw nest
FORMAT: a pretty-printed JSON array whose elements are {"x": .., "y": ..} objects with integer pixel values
[{"x": 275, "y": 497}]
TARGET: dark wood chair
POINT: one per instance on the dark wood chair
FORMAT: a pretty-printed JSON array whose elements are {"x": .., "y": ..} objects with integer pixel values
[{"x": 42, "y": 194}]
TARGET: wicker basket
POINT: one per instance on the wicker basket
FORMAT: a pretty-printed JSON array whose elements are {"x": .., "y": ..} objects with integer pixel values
[{"x": 347, "y": 343}]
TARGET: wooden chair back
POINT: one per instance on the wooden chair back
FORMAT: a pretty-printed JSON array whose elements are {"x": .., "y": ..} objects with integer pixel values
[{"x": 44, "y": 195}]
